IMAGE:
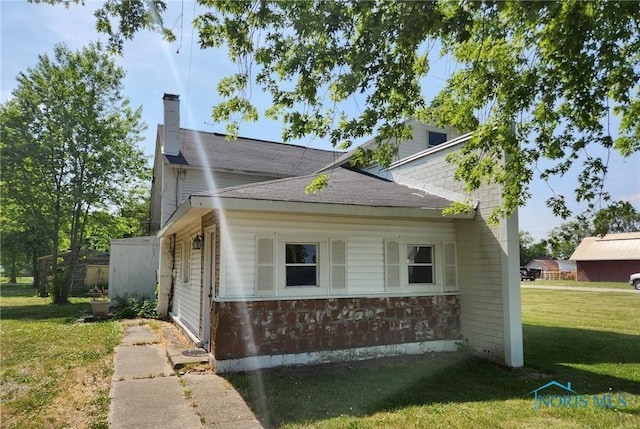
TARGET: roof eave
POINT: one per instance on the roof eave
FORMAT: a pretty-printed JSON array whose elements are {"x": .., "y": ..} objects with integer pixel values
[
  {"x": 198, "y": 205},
  {"x": 188, "y": 211}
]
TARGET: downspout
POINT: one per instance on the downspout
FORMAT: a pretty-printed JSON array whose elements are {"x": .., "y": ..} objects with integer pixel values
[{"x": 172, "y": 251}]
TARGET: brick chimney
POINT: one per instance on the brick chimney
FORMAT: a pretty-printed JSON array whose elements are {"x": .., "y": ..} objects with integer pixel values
[{"x": 171, "y": 144}]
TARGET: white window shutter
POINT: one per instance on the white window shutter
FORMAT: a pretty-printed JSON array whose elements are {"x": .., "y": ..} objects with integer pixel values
[
  {"x": 450, "y": 266},
  {"x": 392, "y": 265},
  {"x": 339, "y": 265},
  {"x": 265, "y": 266}
]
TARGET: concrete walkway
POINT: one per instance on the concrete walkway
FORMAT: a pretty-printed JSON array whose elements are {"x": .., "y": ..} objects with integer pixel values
[
  {"x": 146, "y": 391},
  {"x": 582, "y": 289}
]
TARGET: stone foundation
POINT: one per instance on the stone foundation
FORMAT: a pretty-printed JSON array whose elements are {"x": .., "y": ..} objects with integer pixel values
[{"x": 295, "y": 326}]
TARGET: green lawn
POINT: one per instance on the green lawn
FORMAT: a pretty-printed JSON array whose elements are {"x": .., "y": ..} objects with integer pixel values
[
  {"x": 21, "y": 280},
  {"x": 574, "y": 283},
  {"x": 54, "y": 373},
  {"x": 589, "y": 339}
]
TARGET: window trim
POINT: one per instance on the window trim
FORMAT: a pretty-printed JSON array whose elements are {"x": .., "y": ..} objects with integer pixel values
[
  {"x": 323, "y": 261},
  {"x": 432, "y": 264},
  {"x": 438, "y": 267},
  {"x": 315, "y": 264}
]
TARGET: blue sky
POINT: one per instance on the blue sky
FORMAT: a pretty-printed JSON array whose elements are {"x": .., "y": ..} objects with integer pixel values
[{"x": 155, "y": 67}]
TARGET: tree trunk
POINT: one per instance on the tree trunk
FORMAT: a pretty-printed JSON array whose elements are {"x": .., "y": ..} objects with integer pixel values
[
  {"x": 35, "y": 269},
  {"x": 72, "y": 262},
  {"x": 13, "y": 270},
  {"x": 54, "y": 255}
]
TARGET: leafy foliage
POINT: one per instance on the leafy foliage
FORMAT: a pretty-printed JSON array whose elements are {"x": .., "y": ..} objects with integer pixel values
[
  {"x": 618, "y": 217},
  {"x": 132, "y": 306},
  {"x": 564, "y": 239},
  {"x": 536, "y": 81},
  {"x": 129, "y": 220},
  {"x": 56, "y": 282},
  {"x": 69, "y": 147},
  {"x": 317, "y": 184},
  {"x": 530, "y": 249}
]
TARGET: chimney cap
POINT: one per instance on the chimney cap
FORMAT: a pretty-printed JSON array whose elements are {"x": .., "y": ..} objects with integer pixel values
[{"x": 170, "y": 96}]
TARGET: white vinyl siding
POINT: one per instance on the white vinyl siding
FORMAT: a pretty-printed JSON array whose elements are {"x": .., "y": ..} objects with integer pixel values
[
  {"x": 364, "y": 242},
  {"x": 420, "y": 140},
  {"x": 186, "y": 303}
]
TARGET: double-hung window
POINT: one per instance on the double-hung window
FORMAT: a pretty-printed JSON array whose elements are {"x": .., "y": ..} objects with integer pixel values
[
  {"x": 420, "y": 264},
  {"x": 301, "y": 264}
]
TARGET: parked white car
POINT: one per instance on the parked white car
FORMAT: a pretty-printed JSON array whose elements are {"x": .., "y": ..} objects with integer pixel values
[{"x": 634, "y": 279}]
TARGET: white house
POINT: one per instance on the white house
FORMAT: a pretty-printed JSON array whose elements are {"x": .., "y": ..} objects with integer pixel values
[{"x": 263, "y": 274}]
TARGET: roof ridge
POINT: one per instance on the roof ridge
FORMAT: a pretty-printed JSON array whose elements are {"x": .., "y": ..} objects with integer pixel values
[{"x": 258, "y": 140}]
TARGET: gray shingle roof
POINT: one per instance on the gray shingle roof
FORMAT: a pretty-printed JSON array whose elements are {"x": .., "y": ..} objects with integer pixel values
[
  {"x": 345, "y": 187},
  {"x": 248, "y": 155}
]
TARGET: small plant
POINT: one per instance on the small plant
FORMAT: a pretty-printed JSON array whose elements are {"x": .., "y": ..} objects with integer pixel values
[
  {"x": 55, "y": 283},
  {"x": 132, "y": 306},
  {"x": 100, "y": 302},
  {"x": 99, "y": 293}
]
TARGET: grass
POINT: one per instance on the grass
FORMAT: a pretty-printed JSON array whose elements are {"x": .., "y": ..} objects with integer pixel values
[
  {"x": 590, "y": 339},
  {"x": 21, "y": 280},
  {"x": 574, "y": 283},
  {"x": 54, "y": 373}
]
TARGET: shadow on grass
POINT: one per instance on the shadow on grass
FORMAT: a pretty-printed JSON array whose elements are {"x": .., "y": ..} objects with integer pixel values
[
  {"x": 25, "y": 290},
  {"x": 289, "y": 395},
  {"x": 69, "y": 312},
  {"x": 36, "y": 308}
]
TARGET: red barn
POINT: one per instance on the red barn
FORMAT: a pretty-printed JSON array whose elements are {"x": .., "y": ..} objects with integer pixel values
[{"x": 611, "y": 258}]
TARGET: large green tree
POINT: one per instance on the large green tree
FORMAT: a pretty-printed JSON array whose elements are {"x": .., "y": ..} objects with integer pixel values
[
  {"x": 27, "y": 227},
  {"x": 564, "y": 239},
  {"x": 616, "y": 218},
  {"x": 535, "y": 80},
  {"x": 131, "y": 219},
  {"x": 69, "y": 147},
  {"x": 530, "y": 249}
]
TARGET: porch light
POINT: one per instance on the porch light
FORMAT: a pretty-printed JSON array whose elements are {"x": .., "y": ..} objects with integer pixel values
[{"x": 197, "y": 242}]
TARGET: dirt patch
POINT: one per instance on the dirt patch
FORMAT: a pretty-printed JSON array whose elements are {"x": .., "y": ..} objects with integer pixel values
[
  {"x": 83, "y": 401},
  {"x": 173, "y": 337}
]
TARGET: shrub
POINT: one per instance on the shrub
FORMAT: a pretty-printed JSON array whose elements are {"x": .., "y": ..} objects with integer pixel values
[
  {"x": 55, "y": 283},
  {"x": 132, "y": 306}
]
